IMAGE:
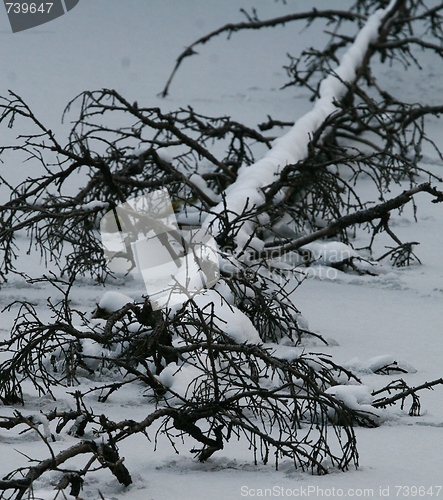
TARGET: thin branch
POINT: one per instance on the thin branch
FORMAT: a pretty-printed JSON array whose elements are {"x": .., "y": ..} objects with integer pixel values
[
  {"x": 332, "y": 15},
  {"x": 360, "y": 217},
  {"x": 383, "y": 402}
]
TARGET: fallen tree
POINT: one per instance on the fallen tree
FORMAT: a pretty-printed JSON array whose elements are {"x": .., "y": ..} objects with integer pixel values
[{"x": 257, "y": 382}]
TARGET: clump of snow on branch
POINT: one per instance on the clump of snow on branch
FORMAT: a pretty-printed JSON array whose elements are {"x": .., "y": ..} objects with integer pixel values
[
  {"x": 229, "y": 319},
  {"x": 330, "y": 253},
  {"x": 113, "y": 301},
  {"x": 355, "y": 397}
]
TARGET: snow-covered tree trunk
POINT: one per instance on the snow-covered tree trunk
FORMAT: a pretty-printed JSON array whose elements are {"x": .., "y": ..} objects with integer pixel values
[{"x": 246, "y": 193}]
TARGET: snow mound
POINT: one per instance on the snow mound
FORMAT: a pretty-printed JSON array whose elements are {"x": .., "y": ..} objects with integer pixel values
[
  {"x": 229, "y": 319},
  {"x": 198, "y": 181},
  {"x": 113, "y": 301},
  {"x": 355, "y": 397},
  {"x": 383, "y": 363},
  {"x": 330, "y": 253}
]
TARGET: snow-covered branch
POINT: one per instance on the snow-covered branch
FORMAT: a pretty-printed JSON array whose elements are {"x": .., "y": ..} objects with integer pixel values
[
  {"x": 376, "y": 212},
  {"x": 247, "y": 191}
]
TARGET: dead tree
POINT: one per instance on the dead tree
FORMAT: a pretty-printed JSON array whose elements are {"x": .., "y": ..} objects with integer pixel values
[{"x": 281, "y": 406}]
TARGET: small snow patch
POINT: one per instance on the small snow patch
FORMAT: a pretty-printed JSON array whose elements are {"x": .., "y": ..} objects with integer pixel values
[{"x": 113, "y": 301}]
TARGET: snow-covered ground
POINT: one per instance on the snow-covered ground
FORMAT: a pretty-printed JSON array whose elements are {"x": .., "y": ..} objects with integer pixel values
[{"x": 132, "y": 46}]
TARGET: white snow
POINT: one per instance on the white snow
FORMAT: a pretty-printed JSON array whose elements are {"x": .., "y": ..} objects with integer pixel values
[
  {"x": 113, "y": 301},
  {"x": 40, "y": 419},
  {"x": 393, "y": 316},
  {"x": 198, "y": 181},
  {"x": 179, "y": 377},
  {"x": 330, "y": 253},
  {"x": 377, "y": 363},
  {"x": 229, "y": 318},
  {"x": 92, "y": 205},
  {"x": 357, "y": 397}
]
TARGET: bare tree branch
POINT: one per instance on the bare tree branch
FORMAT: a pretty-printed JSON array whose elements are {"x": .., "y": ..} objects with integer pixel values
[
  {"x": 377, "y": 212},
  {"x": 230, "y": 28}
]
